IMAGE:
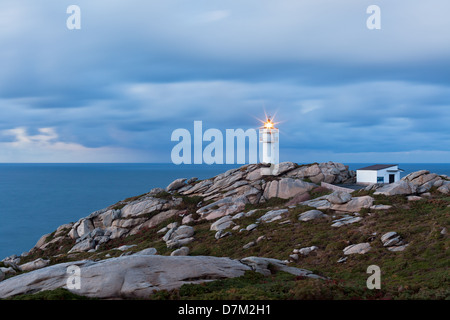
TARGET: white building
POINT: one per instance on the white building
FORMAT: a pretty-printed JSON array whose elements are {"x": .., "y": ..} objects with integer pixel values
[
  {"x": 378, "y": 173},
  {"x": 269, "y": 138}
]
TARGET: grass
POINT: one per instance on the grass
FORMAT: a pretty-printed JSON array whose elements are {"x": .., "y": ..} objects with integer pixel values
[
  {"x": 145, "y": 238},
  {"x": 189, "y": 203},
  {"x": 419, "y": 272},
  {"x": 51, "y": 251},
  {"x": 278, "y": 286},
  {"x": 163, "y": 195},
  {"x": 362, "y": 192},
  {"x": 319, "y": 192},
  {"x": 57, "y": 294},
  {"x": 126, "y": 201}
]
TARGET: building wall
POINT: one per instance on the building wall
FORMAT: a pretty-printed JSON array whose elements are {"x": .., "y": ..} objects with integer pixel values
[
  {"x": 385, "y": 174},
  {"x": 376, "y": 176},
  {"x": 366, "y": 176},
  {"x": 269, "y": 138}
]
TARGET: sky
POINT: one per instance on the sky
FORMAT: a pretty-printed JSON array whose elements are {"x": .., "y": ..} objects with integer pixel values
[{"x": 116, "y": 89}]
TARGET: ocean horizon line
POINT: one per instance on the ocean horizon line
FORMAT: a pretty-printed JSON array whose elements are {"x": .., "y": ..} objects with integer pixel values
[{"x": 214, "y": 164}]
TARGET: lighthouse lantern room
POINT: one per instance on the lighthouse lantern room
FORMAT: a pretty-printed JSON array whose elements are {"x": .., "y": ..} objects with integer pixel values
[{"x": 269, "y": 138}]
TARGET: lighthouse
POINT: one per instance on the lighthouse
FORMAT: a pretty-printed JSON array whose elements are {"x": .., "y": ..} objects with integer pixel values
[{"x": 269, "y": 138}]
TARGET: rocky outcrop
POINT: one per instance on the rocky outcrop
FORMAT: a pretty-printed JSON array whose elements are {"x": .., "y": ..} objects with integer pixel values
[
  {"x": 263, "y": 265},
  {"x": 232, "y": 190},
  {"x": 222, "y": 207},
  {"x": 307, "y": 250},
  {"x": 34, "y": 265},
  {"x": 225, "y": 194},
  {"x": 311, "y": 215},
  {"x": 329, "y": 172},
  {"x": 84, "y": 245},
  {"x": 418, "y": 182},
  {"x": 340, "y": 201},
  {"x": 139, "y": 276},
  {"x": 339, "y": 197},
  {"x": 183, "y": 251},
  {"x": 147, "y": 205},
  {"x": 399, "y": 187},
  {"x": 273, "y": 215},
  {"x": 179, "y": 236},
  {"x": 42, "y": 241},
  {"x": 287, "y": 188},
  {"x": 177, "y": 184},
  {"x": 135, "y": 276},
  {"x": 354, "y": 205},
  {"x": 154, "y": 221},
  {"x": 222, "y": 224},
  {"x": 345, "y": 221},
  {"x": 7, "y": 271},
  {"x": 216, "y": 208},
  {"x": 360, "y": 248},
  {"x": 445, "y": 189},
  {"x": 393, "y": 241}
]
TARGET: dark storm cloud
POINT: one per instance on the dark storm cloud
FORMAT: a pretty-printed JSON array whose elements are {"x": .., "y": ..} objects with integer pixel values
[{"x": 138, "y": 70}]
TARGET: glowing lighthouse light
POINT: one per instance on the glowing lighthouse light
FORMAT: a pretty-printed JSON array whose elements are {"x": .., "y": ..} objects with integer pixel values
[
  {"x": 269, "y": 138},
  {"x": 268, "y": 124}
]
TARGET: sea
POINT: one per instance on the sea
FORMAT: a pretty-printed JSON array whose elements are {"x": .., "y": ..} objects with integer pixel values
[{"x": 35, "y": 199}]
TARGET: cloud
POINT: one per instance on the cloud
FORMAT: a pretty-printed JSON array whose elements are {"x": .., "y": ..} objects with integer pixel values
[
  {"x": 21, "y": 137},
  {"x": 45, "y": 147},
  {"x": 138, "y": 70},
  {"x": 364, "y": 117}
]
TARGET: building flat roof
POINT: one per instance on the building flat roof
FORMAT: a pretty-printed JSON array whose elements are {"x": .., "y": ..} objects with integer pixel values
[{"x": 378, "y": 167}]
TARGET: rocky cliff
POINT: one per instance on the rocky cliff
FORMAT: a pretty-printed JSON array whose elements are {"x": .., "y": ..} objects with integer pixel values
[
  {"x": 225, "y": 194},
  {"x": 195, "y": 231}
]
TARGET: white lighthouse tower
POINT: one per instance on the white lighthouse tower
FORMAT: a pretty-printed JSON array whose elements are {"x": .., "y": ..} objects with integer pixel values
[{"x": 269, "y": 138}]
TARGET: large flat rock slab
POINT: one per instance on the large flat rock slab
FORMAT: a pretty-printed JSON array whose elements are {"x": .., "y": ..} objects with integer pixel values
[
  {"x": 135, "y": 276},
  {"x": 139, "y": 275}
]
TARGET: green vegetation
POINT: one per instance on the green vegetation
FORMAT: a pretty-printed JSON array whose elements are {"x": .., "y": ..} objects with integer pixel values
[
  {"x": 57, "y": 294},
  {"x": 319, "y": 192},
  {"x": 163, "y": 195},
  {"x": 119, "y": 206},
  {"x": 123, "y": 203},
  {"x": 190, "y": 205},
  {"x": 422, "y": 271},
  {"x": 278, "y": 286},
  {"x": 52, "y": 250}
]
